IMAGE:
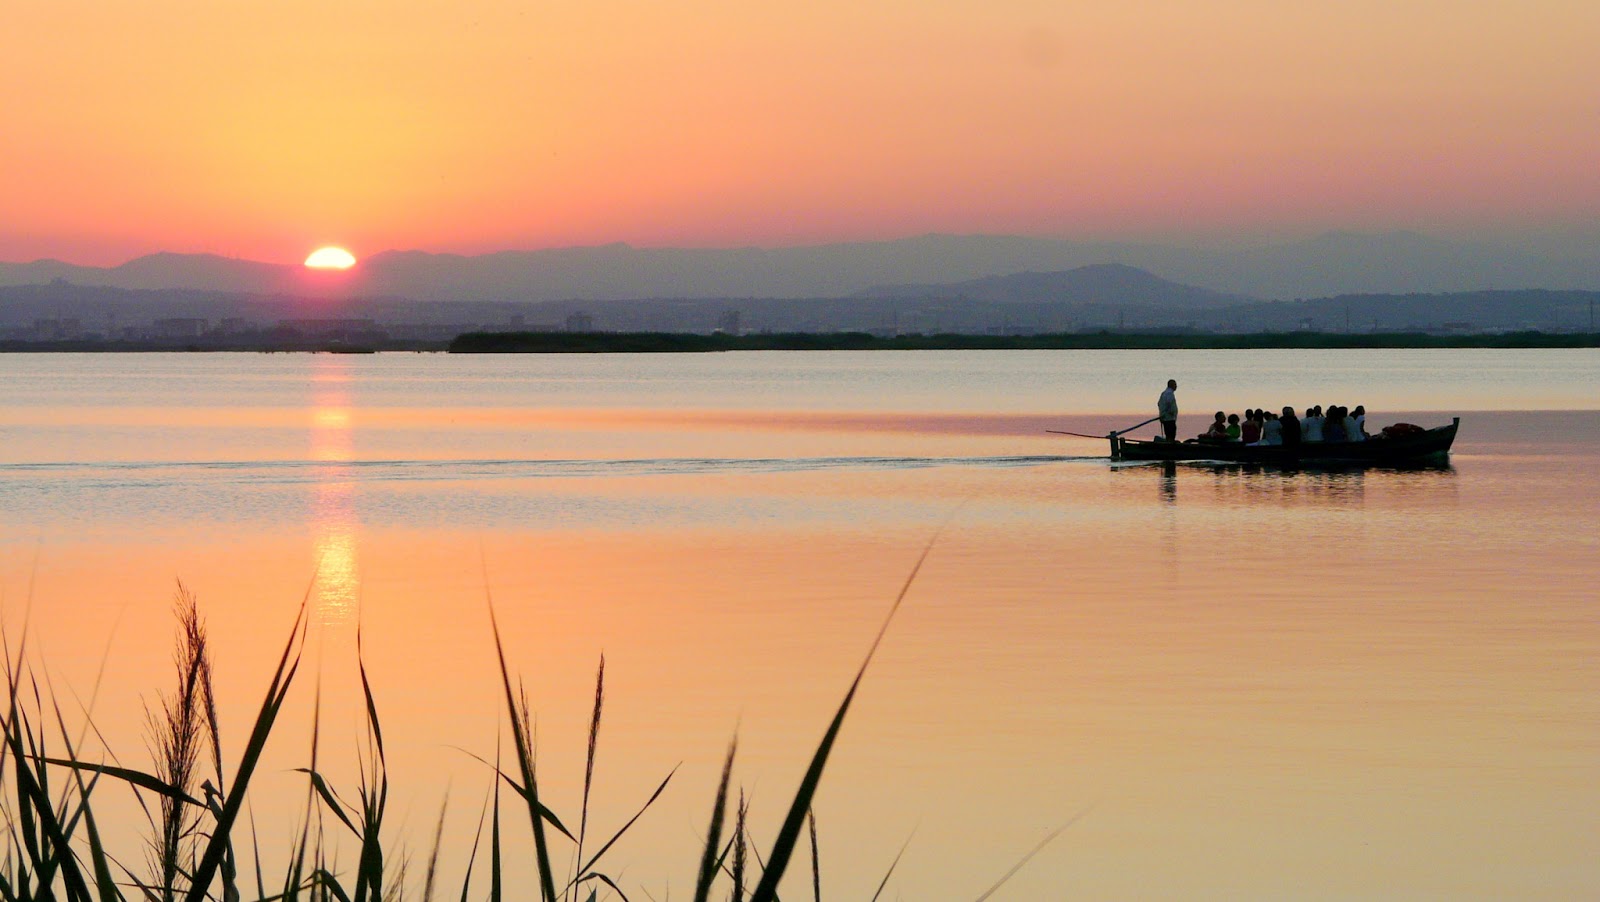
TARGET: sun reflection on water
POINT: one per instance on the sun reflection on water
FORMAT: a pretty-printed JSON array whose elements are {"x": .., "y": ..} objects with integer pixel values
[{"x": 333, "y": 515}]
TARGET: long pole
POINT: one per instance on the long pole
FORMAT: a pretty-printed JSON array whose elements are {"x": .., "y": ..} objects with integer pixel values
[
  {"x": 1107, "y": 435},
  {"x": 1137, "y": 425}
]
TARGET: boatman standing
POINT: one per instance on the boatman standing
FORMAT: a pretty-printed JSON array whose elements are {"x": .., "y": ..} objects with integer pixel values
[{"x": 1167, "y": 410}]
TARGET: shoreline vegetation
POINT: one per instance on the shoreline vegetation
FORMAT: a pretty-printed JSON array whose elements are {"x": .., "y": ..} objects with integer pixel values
[
  {"x": 657, "y": 342},
  {"x": 688, "y": 342},
  {"x": 196, "y": 833}
]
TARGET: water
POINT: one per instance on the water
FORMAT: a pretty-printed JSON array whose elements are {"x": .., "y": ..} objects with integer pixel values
[{"x": 1250, "y": 684}]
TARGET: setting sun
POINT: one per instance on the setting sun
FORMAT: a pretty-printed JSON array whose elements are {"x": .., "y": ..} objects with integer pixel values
[{"x": 330, "y": 258}]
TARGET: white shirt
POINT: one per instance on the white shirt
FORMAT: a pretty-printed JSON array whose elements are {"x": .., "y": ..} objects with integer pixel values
[{"x": 1167, "y": 406}]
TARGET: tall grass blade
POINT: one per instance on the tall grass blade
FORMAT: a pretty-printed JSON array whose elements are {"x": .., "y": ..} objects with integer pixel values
[
  {"x": 588, "y": 761},
  {"x": 710, "y": 860},
  {"x": 28, "y": 849},
  {"x": 1031, "y": 852},
  {"x": 890, "y": 873},
  {"x": 789, "y": 833},
  {"x": 129, "y": 775},
  {"x": 138, "y": 796},
  {"x": 255, "y": 851},
  {"x": 374, "y": 801},
  {"x": 296, "y": 871},
  {"x": 366, "y": 692},
  {"x": 47, "y": 843},
  {"x": 618, "y": 835},
  {"x": 328, "y": 883},
  {"x": 472, "y": 857},
  {"x": 740, "y": 833},
  {"x": 608, "y": 882},
  {"x": 148, "y": 892},
  {"x": 277, "y": 691},
  {"x": 104, "y": 882},
  {"x": 230, "y": 866},
  {"x": 330, "y": 799},
  {"x": 816, "y": 864},
  {"x": 494, "y": 844},
  {"x": 433, "y": 856},
  {"x": 519, "y": 732},
  {"x": 549, "y": 816}
]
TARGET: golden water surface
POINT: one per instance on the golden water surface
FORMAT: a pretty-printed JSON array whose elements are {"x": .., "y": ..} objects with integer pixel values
[{"x": 1233, "y": 683}]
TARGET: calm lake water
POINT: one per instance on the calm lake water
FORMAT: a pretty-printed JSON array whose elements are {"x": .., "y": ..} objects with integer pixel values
[{"x": 1242, "y": 683}]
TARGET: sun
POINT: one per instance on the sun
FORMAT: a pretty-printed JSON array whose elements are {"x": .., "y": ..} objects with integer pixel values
[{"x": 330, "y": 258}]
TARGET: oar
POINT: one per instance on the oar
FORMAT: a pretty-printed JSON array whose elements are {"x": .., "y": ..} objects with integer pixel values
[{"x": 1110, "y": 435}]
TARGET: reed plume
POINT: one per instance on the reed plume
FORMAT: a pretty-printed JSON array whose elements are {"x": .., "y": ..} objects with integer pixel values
[{"x": 181, "y": 728}]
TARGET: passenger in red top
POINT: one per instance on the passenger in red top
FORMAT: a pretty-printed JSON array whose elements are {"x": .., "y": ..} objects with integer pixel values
[{"x": 1250, "y": 430}]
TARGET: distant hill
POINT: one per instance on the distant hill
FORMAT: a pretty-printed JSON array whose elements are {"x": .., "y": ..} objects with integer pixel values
[
  {"x": 1401, "y": 262},
  {"x": 197, "y": 272},
  {"x": 1332, "y": 264},
  {"x": 1110, "y": 284}
]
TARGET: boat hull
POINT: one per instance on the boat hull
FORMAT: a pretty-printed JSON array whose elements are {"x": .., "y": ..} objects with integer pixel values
[{"x": 1430, "y": 446}]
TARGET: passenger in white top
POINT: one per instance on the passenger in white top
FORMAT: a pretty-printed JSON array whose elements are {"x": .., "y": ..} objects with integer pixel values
[
  {"x": 1356, "y": 426},
  {"x": 1311, "y": 425},
  {"x": 1271, "y": 431}
]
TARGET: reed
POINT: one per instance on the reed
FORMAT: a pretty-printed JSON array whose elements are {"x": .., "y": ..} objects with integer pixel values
[
  {"x": 178, "y": 733},
  {"x": 54, "y": 850}
]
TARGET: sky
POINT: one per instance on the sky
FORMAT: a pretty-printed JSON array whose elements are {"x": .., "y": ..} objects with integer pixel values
[{"x": 261, "y": 130}]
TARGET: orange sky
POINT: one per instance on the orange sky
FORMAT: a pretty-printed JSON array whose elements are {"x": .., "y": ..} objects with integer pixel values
[{"x": 262, "y": 129}]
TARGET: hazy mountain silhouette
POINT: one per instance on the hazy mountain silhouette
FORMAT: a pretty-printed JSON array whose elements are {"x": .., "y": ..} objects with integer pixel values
[
  {"x": 1393, "y": 262},
  {"x": 1101, "y": 283},
  {"x": 1336, "y": 263},
  {"x": 205, "y": 272},
  {"x": 198, "y": 272}
]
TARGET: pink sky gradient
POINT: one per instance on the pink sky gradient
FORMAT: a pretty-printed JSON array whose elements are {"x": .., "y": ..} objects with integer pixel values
[{"x": 264, "y": 130}]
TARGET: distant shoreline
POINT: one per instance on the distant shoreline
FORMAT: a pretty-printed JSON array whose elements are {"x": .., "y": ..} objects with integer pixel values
[
  {"x": 664, "y": 342},
  {"x": 680, "y": 342}
]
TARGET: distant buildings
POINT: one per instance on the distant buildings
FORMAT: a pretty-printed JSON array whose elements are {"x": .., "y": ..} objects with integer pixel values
[
  {"x": 342, "y": 330},
  {"x": 179, "y": 327},
  {"x": 54, "y": 330},
  {"x": 435, "y": 331}
]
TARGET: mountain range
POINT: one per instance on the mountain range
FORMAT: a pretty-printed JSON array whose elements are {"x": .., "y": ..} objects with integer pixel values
[
  {"x": 973, "y": 265},
  {"x": 1090, "y": 298}
]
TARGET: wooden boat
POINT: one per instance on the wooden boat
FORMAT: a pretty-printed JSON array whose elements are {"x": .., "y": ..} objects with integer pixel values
[{"x": 1431, "y": 445}]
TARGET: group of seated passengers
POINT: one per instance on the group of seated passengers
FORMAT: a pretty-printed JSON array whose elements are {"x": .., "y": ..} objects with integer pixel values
[{"x": 1339, "y": 424}]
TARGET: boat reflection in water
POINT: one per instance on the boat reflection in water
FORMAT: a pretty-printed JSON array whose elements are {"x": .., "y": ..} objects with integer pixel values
[{"x": 1336, "y": 485}]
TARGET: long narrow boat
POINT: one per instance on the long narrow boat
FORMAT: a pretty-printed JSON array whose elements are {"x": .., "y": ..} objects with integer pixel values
[{"x": 1431, "y": 445}]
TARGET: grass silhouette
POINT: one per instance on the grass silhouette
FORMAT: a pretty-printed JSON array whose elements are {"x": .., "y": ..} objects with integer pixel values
[{"x": 54, "y": 851}]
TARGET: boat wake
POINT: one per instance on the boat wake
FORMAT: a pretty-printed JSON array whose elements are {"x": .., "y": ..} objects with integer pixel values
[{"x": 124, "y": 473}]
